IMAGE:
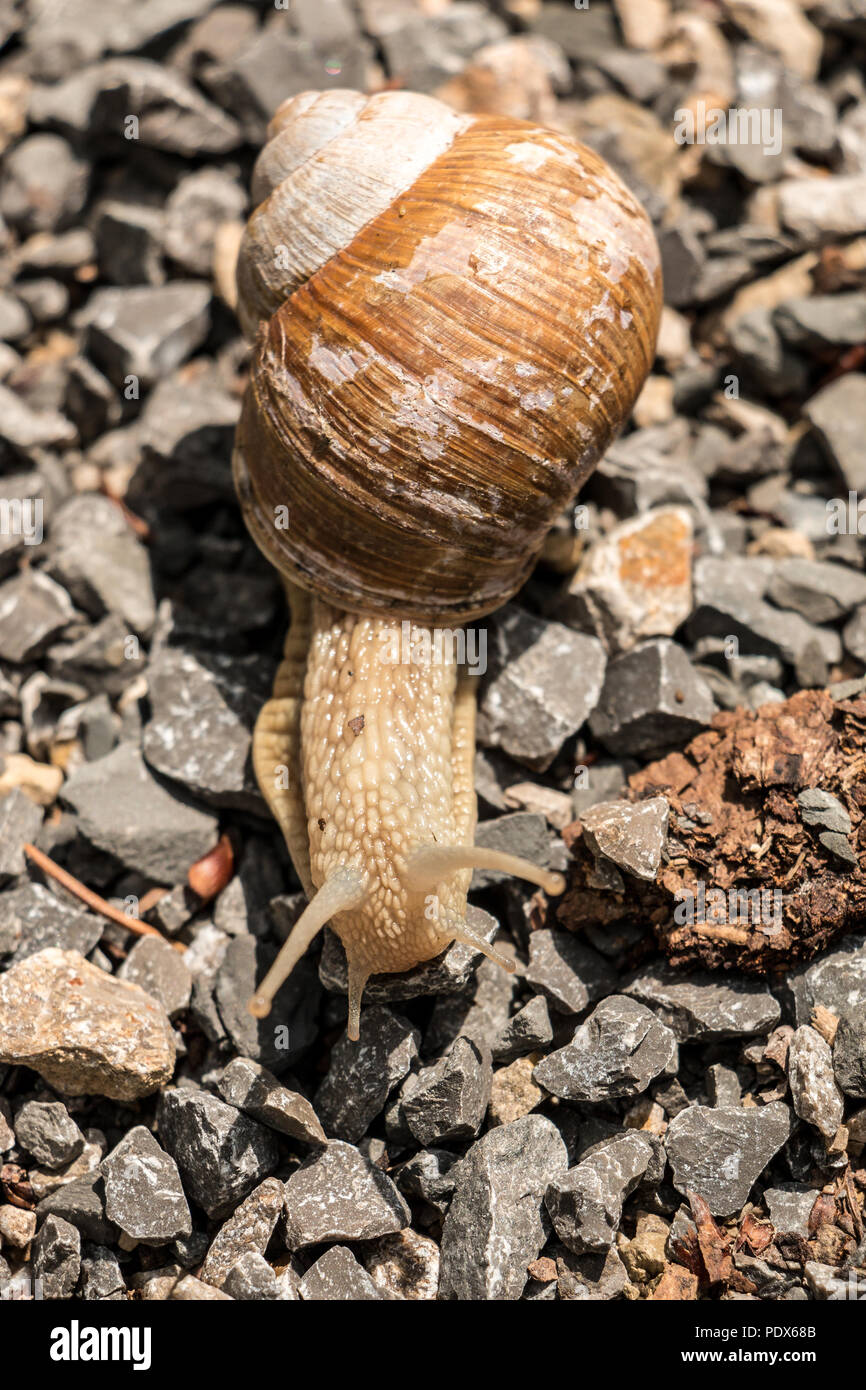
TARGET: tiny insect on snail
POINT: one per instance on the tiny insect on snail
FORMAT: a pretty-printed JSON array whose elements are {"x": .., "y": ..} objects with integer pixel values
[{"x": 452, "y": 318}]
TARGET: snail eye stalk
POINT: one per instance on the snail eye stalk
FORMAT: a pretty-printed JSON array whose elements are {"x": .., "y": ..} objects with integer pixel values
[{"x": 430, "y": 864}]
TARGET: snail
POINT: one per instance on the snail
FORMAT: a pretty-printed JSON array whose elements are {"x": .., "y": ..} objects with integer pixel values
[{"x": 452, "y": 317}]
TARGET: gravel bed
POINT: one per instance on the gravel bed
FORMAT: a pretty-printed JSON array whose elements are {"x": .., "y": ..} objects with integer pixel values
[{"x": 603, "y": 1124}]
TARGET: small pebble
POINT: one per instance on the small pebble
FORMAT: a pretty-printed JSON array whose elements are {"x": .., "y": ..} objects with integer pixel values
[
  {"x": 123, "y": 810},
  {"x": 849, "y": 1052},
  {"x": 221, "y": 1153},
  {"x": 17, "y": 1227},
  {"x": 617, "y": 1051},
  {"x": 447, "y": 1101},
  {"x": 47, "y": 1131},
  {"x": 362, "y": 1074},
  {"x": 789, "y": 1207},
  {"x": 252, "y": 1279},
  {"x": 256, "y": 1091},
  {"x": 702, "y": 1007},
  {"x": 339, "y": 1195},
  {"x": 529, "y": 1030},
  {"x": 56, "y": 1258},
  {"x": 569, "y": 974},
  {"x": 719, "y": 1154},
  {"x": 249, "y": 1228},
  {"x": 337, "y": 1276},
  {"x": 143, "y": 1192},
  {"x": 816, "y": 1096},
  {"x": 585, "y": 1203},
  {"x": 404, "y": 1265},
  {"x": 542, "y": 683},
  {"x": 631, "y": 835},
  {"x": 495, "y": 1227},
  {"x": 161, "y": 972},
  {"x": 652, "y": 698},
  {"x": 101, "y": 1276},
  {"x": 513, "y": 1092}
]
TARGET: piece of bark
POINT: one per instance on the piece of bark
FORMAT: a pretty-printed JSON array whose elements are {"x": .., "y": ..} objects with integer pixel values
[
  {"x": 688, "y": 1253},
  {"x": 735, "y": 825},
  {"x": 823, "y": 1212},
  {"x": 713, "y": 1245},
  {"x": 825, "y": 1023},
  {"x": 754, "y": 1234}
]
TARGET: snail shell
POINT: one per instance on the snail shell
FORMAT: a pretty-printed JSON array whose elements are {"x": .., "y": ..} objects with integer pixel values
[{"x": 452, "y": 317}]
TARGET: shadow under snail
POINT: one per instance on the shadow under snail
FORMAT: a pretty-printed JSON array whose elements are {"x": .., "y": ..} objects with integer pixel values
[{"x": 452, "y": 318}]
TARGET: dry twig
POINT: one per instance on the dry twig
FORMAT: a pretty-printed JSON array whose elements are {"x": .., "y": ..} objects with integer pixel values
[{"x": 93, "y": 900}]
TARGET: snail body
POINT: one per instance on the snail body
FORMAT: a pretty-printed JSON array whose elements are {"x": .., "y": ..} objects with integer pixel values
[{"x": 452, "y": 318}]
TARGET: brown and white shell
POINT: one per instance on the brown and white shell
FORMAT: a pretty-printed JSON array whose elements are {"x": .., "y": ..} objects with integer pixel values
[{"x": 452, "y": 316}]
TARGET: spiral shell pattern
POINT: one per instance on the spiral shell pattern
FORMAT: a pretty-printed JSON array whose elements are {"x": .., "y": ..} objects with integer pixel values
[{"x": 452, "y": 319}]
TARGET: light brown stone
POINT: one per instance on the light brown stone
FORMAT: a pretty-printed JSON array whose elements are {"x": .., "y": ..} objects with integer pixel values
[
  {"x": 636, "y": 582},
  {"x": 644, "y": 1255},
  {"x": 84, "y": 1031},
  {"x": 250, "y": 1227},
  {"x": 780, "y": 26},
  {"x": 39, "y": 781},
  {"x": 192, "y": 1290},
  {"x": 514, "y": 77},
  {"x": 643, "y": 22},
  {"x": 17, "y": 1227},
  {"x": 513, "y": 1093}
]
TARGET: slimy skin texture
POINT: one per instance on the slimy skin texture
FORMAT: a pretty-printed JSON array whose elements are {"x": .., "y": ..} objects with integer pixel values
[
  {"x": 381, "y": 777},
  {"x": 385, "y": 751}
]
